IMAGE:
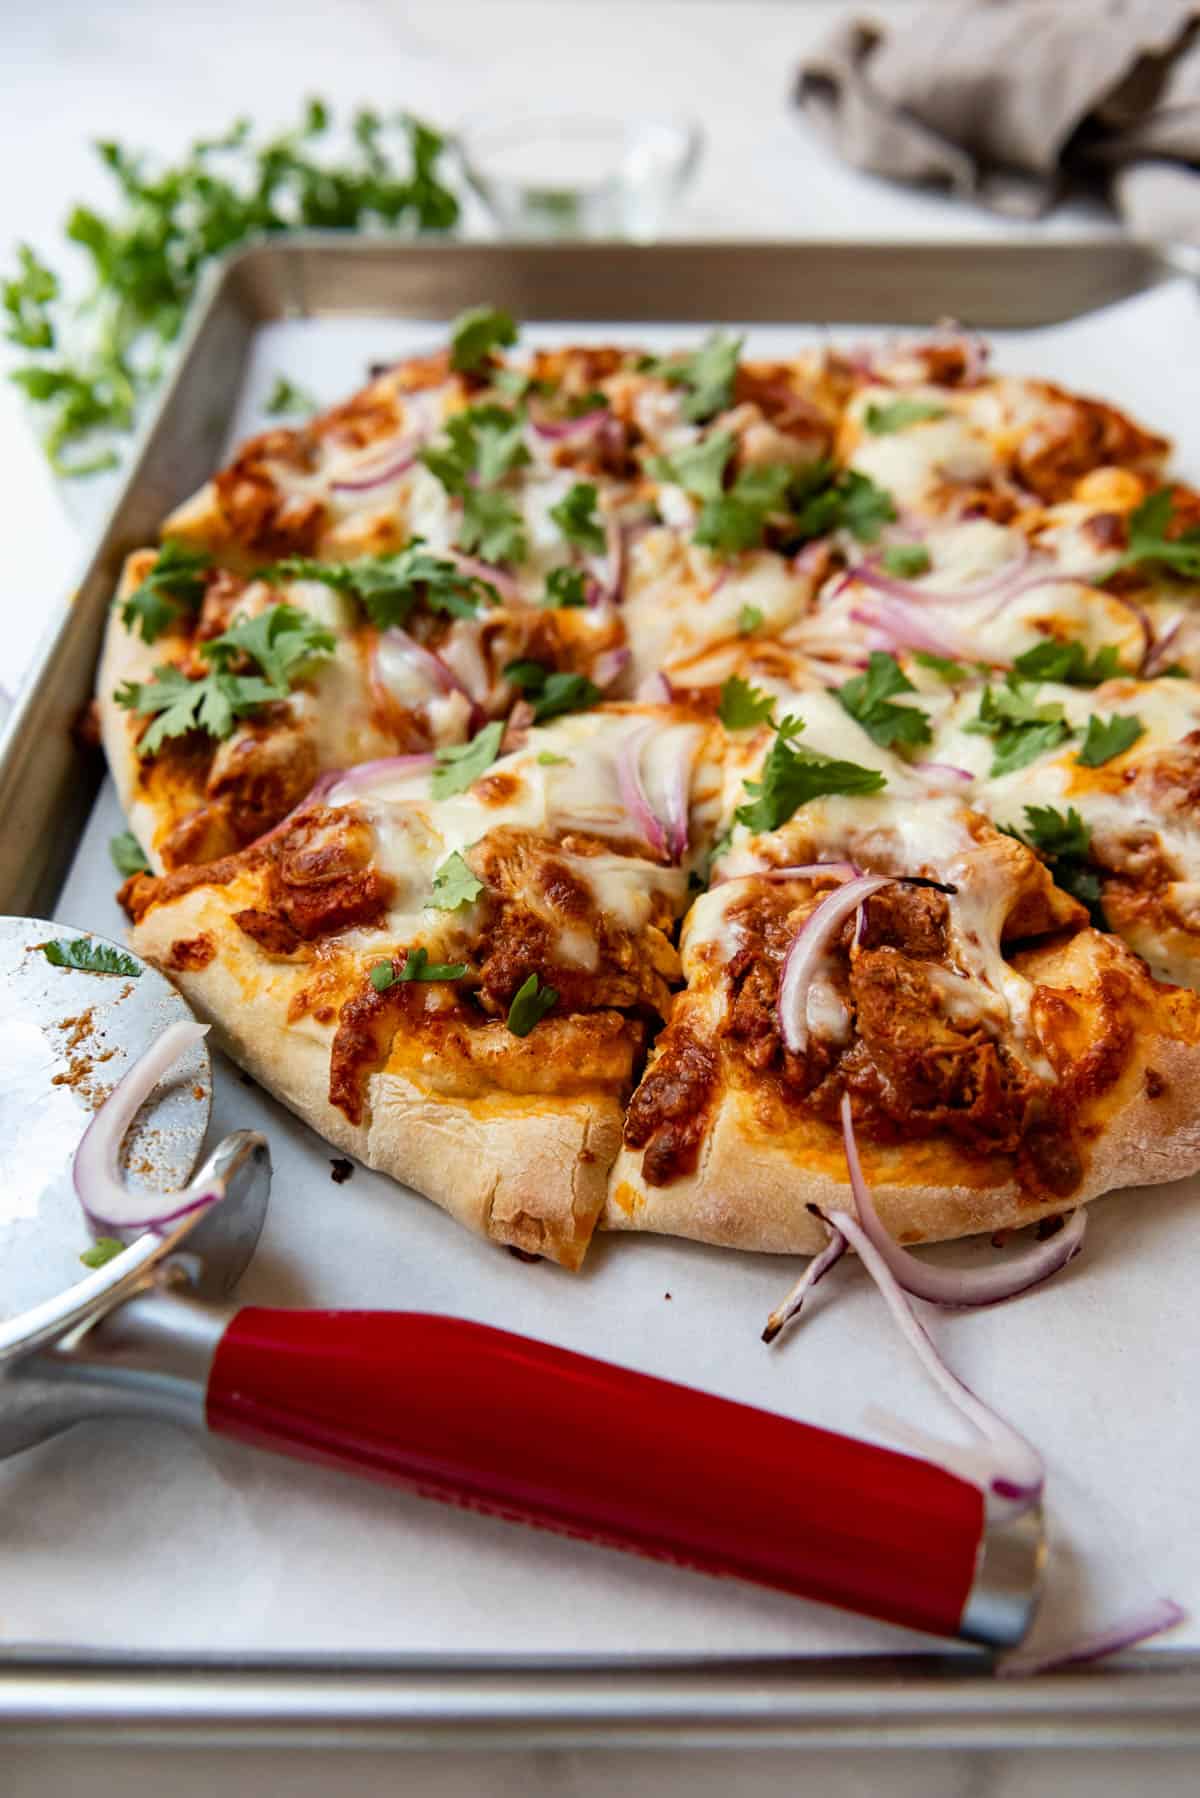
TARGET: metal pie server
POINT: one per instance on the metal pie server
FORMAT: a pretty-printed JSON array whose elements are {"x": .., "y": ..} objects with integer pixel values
[{"x": 456, "y": 1410}]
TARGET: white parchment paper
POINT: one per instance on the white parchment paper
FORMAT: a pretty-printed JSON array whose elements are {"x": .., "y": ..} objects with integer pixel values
[{"x": 141, "y": 1537}]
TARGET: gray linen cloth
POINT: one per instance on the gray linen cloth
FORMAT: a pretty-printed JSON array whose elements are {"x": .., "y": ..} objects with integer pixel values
[{"x": 1010, "y": 102}]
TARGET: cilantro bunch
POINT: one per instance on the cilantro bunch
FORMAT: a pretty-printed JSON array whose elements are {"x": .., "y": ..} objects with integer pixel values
[{"x": 90, "y": 364}]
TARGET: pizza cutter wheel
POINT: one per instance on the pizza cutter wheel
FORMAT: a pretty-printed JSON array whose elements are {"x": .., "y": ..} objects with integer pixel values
[{"x": 454, "y": 1409}]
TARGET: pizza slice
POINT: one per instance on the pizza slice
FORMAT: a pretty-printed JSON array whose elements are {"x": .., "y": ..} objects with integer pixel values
[
  {"x": 450, "y": 968},
  {"x": 865, "y": 934}
]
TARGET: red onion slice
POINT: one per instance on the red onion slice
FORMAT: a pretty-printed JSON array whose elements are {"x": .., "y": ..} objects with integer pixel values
[
  {"x": 633, "y": 793},
  {"x": 399, "y": 460},
  {"x": 559, "y": 430},
  {"x": 610, "y": 664},
  {"x": 1127, "y": 1632},
  {"x": 505, "y": 585},
  {"x": 808, "y": 946},
  {"x": 816, "y": 1270},
  {"x": 868, "y": 574},
  {"x": 110, "y": 1205},
  {"x": 433, "y": 669},
  {"x": 944, "y": 771},
  {"x": 356, "y": 781},
  {"x": 656, "y": 689},
  {"x": 610, "y": 573},
  {"x": 960, "y": 1287},
  {"x": 800, "y": 871},
  {"x": 899, "y": 629},
  {"x": 1160, "y": 648}
]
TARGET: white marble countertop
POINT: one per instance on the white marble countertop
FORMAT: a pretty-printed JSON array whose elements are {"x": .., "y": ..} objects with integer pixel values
[{"x": 155, "y": 74}]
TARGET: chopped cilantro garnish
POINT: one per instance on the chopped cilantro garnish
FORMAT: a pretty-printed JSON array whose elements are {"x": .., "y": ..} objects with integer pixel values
[
  {"x": 708, "y": 375},
  {"x": 491, "y": 527},
  {"x": 547, "y": 759},
  {"x": 416, "y": 966},
  {"x": 102, "y": 1251},
  {"x": 92, "y": 957},
  {"x": 174, "y": 584},
  {"x": 1109, "y": 737},
  {"x": 575, "y": 516},
  {"x": 286, "y": 399},
  {"x": 749, "y": 620},
  {"x": 826, "y": 501},
  {"x": 1065, "y": 842},
  {"x": 790, "y": 777},
  {"x": 457, "y": 765},
  {"x": 281, "y": 640},
  {"x": 454, "y": 884},
  {"x": 868, "y": 698},
  {"x": 565, "y": 587},
  {"x": 482, "y": 445},
  {"x": 737, "y": 520},
  {"x": 26, "y": 300},
  {"x": 551, "y": 691},
  {"x": 945, "y": 667},
  {"x": 530, "y": 1003},
  {"x": 1067, "y": 662},
  {"x": 127, "y": 854},
  {"x": 699, "y": 468},
  {"x": 742, "y": 706},
  {"x": 906, "y": 560},
  {"x": 1149, "y": 542},
  {"x": 1020, "y": 728},
  {"x": 476, "y": 333},
  {"x": 897, "y": 415},
  {"x": 390, "y": 587}
]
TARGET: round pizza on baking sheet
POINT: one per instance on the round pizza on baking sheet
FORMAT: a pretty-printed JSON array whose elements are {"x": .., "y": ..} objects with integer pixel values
[{"x": 564, "y": 780}]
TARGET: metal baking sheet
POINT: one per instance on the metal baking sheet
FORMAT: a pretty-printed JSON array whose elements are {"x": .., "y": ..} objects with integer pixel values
[{"x": 372, "y": 1247}]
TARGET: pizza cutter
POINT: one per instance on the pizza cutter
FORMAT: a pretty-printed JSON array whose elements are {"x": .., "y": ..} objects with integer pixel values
[{"x": 457, "y": 1410}]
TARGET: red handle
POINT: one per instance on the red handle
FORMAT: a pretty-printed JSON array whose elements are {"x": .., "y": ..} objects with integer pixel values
[{"x": 504, "y": 1424}]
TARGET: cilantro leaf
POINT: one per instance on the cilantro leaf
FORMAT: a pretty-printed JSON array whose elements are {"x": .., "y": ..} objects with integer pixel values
[
  {"x": 868, "y": 698},
  {"x": 457, "y": 765},
  {"x": 1149, "y": 542},
  {"x": 897, "y": 415},
  {"x": 950, "y": 671},
  {"x": 1109, "y": 737},
  {"x": 481, "y": 446},
  {"x": 491, "y": 527},
  {"x": 26, "y": 299},
  {"x": 476, "y": 333},
  {"x": 179, "y": 705},
  {"x": 281, "y": 640},
  {"x": 530, "y": 1005},
  {"x": 708, "y": 376},
  {"x": 564, "y": 587},
  {"x": 865, "y": 508},
  {"x": 829, "y": 501},
  {"x": 102, "y": 1251},
  {"x": 906, "y": 560},
  {"x": 416, "y": 966},
  {"x": 699, "y": 468},
  {"x": 1066, "y": 842},
  {"x": 742, "y": 706},
  {"x": 174, "y": 584},
  {"x": 551, "y": 692},
  {"x": 547, "y": 759},
  {"x": 1068, "y": 663},
  {"x": 92, "y": 957},
  {"x": 791, "y": 777},
  {"x": 286, "y": 398},
  {"x": 1021, "y": 729},
  {"x": 749, "y": 620},
  {"x": 737, "y": 520},
  {"x": 575, "y": 516},
  {"x": 390, "y": 587},
  {"x": 127, "y": 854},
  {"x": 454, "y": 885}
]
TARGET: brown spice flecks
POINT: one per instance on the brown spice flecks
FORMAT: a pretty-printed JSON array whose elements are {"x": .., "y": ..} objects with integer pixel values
[
  {"x": 77, "y": 1029},
  {"x": 340, "y": 1169}
]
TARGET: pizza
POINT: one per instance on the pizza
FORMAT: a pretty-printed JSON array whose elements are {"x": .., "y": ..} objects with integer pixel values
[{"x": 565, "y": 779}]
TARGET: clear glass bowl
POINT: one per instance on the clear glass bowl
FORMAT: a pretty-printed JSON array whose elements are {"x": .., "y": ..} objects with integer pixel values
[{"x": 570, "y": 175}]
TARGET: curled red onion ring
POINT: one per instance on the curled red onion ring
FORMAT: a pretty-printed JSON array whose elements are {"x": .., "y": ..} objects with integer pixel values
[
  {"x": 961, "y": 1287},
  {"x": 817, "y": 1268},
  {"x": 895, "y": 624},
  {"x": 504, "y": 583},
  {"x": 358, "y": 780},
  {"x": 633, "y": 793},
  {"x": 430, "y": 664},
  {"x": 868, "y": 574},
  {"x": 399, "y": 460},
  {"x": 559, "y": 429},
  {"x": 1127, "y": 1632},
  {"x": 109, "y": 1203},
  {"x": 946, "y": 771},
  {"x": 808, "y": 946}
]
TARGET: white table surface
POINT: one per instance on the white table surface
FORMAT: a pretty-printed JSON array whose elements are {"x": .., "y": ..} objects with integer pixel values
[{"x": 157, "y": 74}]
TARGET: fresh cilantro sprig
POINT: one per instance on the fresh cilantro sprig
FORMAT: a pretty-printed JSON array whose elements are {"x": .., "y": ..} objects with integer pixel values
[
  {"x": 847, "y": 501},
  {"x": 416, "y": 966},
  {"x": 92, "y": 957},
  {"x": 1068, "y": 663},
  {"x": 906, "y": 560},
  {"x": 391, "y": 587},
  {"x": 289, "y": 400},
  {"x": 1065, "y": 842},
  {"x": 174, "y": 584},
  {"x": 790, "y": 777},
  {"x": 482, "y": 445},
  {"x": 551, "y": 691},
  {"x": 93, "y": 361},
  {"x": 743, "y": 706},
  {"x": 1020, "y": 727},
  {"x": 491, "y": 527},
  {"x": 577, "y": 518},
  {"x": 899, "y": 414},
  {"x": 476, "y": 333},
  {"x": 699, "y": 468},
  {"x": 945, "y": 667},
  {"x": 458, "y": 765},
  {"x": 708, "y": 375},
  {"x": 1149, "y": 542},
  {"x": 281, "y": 639},
  {"x": 1109, "y": 737},
  {"x": 128, "y": 856},
  {"x": 868, "y": 698},
  {"x": 565, "y": 587},
  {"x": 454, "y": 884},
  {"x": 102, "y": 1251},
  {"x": 736, "y": 519},
  {"x": 530, "y": 1003}
]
